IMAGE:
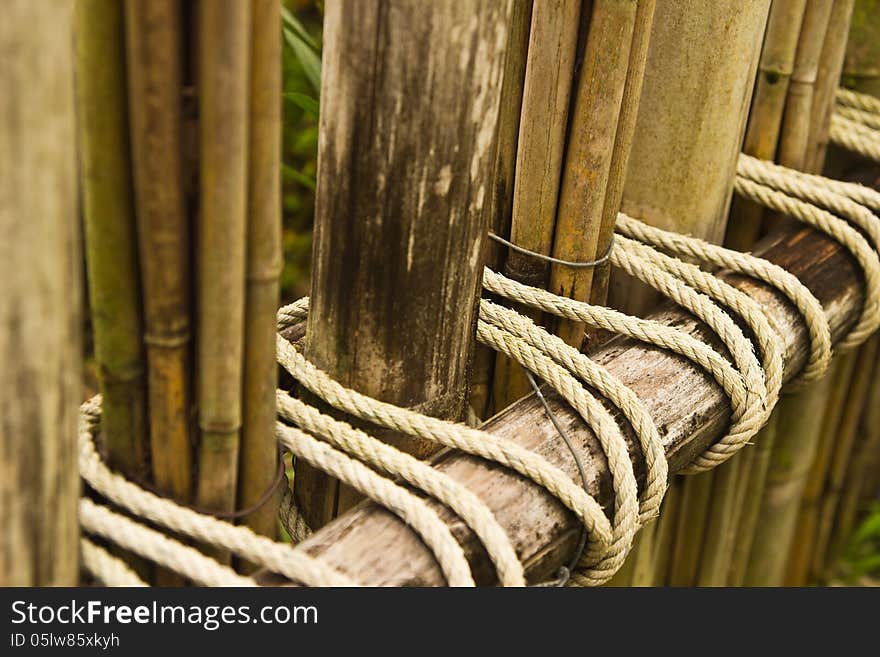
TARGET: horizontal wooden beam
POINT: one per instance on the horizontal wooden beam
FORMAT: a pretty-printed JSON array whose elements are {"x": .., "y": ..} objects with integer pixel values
[{"x": 375, "y": 548}]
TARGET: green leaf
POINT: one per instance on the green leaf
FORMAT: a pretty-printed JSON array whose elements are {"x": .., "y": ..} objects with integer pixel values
[
  {"x": 293, "y": 24},
  {"x": 304, "y": 102},
  {"x": 307, "y": 56},
  {"x": 292, "y": 174}
]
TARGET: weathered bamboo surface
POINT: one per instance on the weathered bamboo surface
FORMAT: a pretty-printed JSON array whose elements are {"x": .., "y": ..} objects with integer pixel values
[
  {"x": 407, "y": 155},
  {"x": 374, "y": 547}
]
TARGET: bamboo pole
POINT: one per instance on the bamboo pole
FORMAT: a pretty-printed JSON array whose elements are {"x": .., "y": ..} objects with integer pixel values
[
  {"x": 753, "y": 485},
  {"x": 582, "y": 216},
  {"x": 401, "y": 214},
  {"x": 841, "y": 457},
  {"x": 224, "y": 28},
  {"x": 542, "y": 127},
  {"x": 655, "y": 572},
  {"x": 866, "y": 448},
  {"x": 862, "y": 63},
  {"x": 40, "y": 316},
  {"x": 721, "y": 525},
  {"x": 827, "y": 81},
  {"x": 264, "y": 261},
  {"x": 787, "y": 474},
  {"x": 501, "y": 200},
  {"x": 765, "y": 116},
  {"x": 110, "y": 233},
  {"x": 153, "y": 42},
  {"x": 794, "y": 138}
]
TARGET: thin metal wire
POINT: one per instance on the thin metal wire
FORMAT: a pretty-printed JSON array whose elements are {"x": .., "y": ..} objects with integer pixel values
[
  {"x": 564, "y": 573},
  {"x": 551, "y": 259}
]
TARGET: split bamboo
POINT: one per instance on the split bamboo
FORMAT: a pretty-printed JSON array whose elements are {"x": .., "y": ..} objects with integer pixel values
[
  {"x": 111, "y": 233},
  {"x": 542, "y": 128},
  {"x": 153, "y": 47},
  {"x": 258, "y": 451},
  {"x": 40, "y": 316},
  {"x": 223, "y": 36},
  {"x": 583, "y": 216},
  {"x": 399, "y": 230}
]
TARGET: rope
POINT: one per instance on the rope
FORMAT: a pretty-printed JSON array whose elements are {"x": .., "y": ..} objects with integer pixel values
[
  {"x": 856, "y": 100},
  {"x": 110, "y": 570},
  {"x": 855, "y": 137}
]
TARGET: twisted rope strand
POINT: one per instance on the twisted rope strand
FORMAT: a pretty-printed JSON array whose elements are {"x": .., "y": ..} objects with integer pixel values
[{"x": 103, "y": 566}]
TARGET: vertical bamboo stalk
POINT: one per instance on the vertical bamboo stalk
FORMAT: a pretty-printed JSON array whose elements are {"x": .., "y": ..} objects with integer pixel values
[
  {"x": 224, "y": 29},
  {"x": 110, "y": 232},
  {"x": 258, "y": 450},
  {"x": 866, "y": 447},
  {"x": 827, "y": 82},
  {"x": 40, "y": 320},
  {"x": 664, "y": 539},
  {"x": 862, "y": 63},
  {"x": 802, "y": 545},
  {"x": 153, "y": 56},
  {"x": 546, "y": 93},
  {"x": 718, "y": 544},
  {"x": 501, "y": 199},
  {"x": 794, "y": 138},
  {"x": 582, "y": 215},
  {"x": 841, "y": 457},
  {"x": 800, "y": 427},
  {"x": 754, "y": 485},
  {"x": 699, "y": 57},
  {"x": 765, "y": 116},
  {"x": 404, "y": 174}
]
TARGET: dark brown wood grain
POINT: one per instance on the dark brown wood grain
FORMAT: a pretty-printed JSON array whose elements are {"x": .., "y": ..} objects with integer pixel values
[
  {"x": 405, "y": 176},
  {"x": 374, "y": 547}
]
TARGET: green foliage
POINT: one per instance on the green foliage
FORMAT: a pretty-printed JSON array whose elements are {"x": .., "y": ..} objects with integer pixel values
[
  {"x": 302, "y": 85},
  {"x": 863, "y": 555}
]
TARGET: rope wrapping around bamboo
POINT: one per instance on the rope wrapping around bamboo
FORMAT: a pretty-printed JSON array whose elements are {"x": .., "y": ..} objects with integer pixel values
[
  {"x": 855, "y": 136},
  {"x": 110, "y": 570},
  {"x": 837, "y": 228},
  {"x": 277, "y": 557}
]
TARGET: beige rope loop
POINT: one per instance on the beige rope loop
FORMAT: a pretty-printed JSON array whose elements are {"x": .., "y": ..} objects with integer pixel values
[
  {"x": 644, "y": 263},
  {"x": 856, "y": 100},
  {"x": 597, "y": 566},
  {"x": 866, "y": 119},
  {"x": 606, "y": 384},
  {"x": 157, "y": 547},
  {"x": 864, "y": 254},
  {"x": 392, "y": 461},
  {"x": 103, "y": 566},
  {"x": 410, "y": 508},
  {"x": 857, "y": 192},
  {"x": 787, "y": 284},
  {"x": 277, "y": 557},
  {"x": 292, "y": 313},
  {"x": 643, "y": 330},
  {"x": 855, "y": 137},
  {"x": 769, "y": 371},
  {"x": 451, "y": 434}
]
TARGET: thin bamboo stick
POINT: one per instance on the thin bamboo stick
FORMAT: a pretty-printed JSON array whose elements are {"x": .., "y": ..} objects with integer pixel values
[
  {"x": 501, "y": 200},
  {"x": 867, "y": 446},
  {"x": 841, "y": 457},
  {"x": 765, "y": 116},
  {"x": 753, "y": 486},
  {"x": 800, "y": 415},
  {"x": 545, "y": 105},
  {"x": 827, "y": 81},
  {"x": 664, "y": 539},
  {"x": 223, "y": 50},
  {"x": 801, "y": 550},
  {"x": 110, "y": 233},
  {"x": 795, "y": 135},
  {"x": 718, "y": 544},
  {"x": 40, "y": 315},
  {"x": 258, "y": 451},
  {"x": 582, "y": 215},
  {"x": 691, "y": 527},
  {"x": 153, "y": 41}
]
